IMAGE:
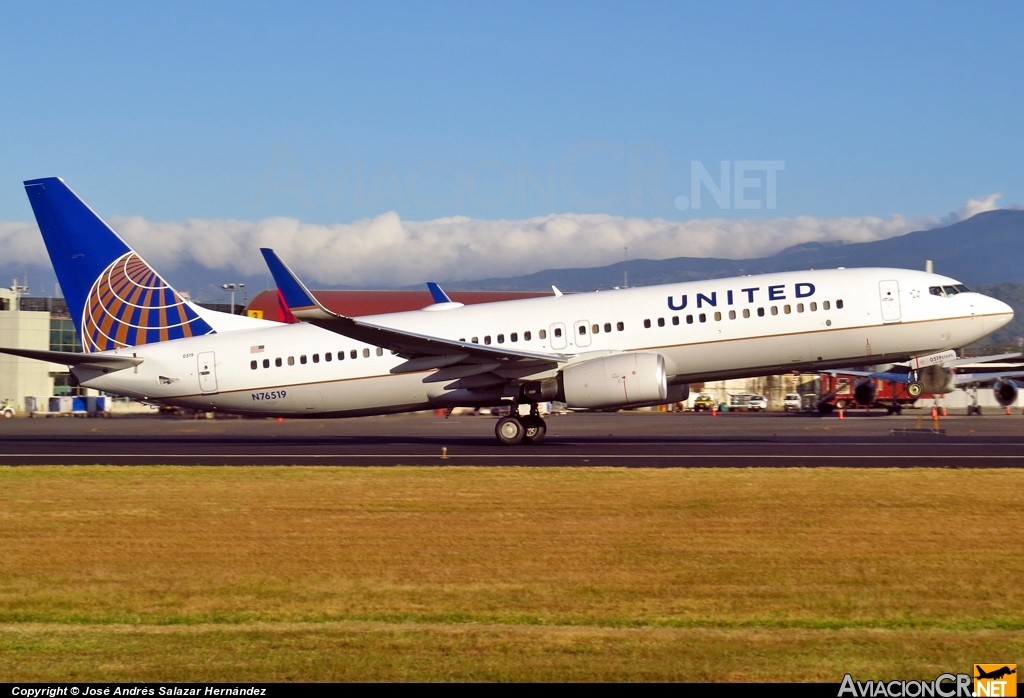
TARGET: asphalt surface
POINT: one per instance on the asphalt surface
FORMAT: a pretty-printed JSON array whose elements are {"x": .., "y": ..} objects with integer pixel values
[{"x": 637, "y": 439}]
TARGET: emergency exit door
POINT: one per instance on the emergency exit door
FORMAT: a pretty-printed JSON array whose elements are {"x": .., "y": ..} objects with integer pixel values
[{"x": 207, "y": 372}]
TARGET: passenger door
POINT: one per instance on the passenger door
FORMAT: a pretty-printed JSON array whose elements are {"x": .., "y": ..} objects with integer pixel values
[
  {"x": 889, "y": 296},
  {"x": 207, "y": 372}
]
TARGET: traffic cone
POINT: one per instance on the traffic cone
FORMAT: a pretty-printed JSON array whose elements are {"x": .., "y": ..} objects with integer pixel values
[
  {"x": 714, "y": 410},
  {"x": 842, "y": 414},
  {"x": 944, "y": 413},
  {"x": 1007, "y": 410},
  {"x": 935, "y": 413}
]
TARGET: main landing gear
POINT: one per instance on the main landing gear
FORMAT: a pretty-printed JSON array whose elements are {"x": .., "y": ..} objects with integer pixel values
[{"x": 514, "y": 429}]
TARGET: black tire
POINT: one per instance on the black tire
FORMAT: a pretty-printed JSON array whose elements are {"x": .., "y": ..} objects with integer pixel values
[
  {"x": 826, "y": 408},
  {"x": 536, "y": 428},
  {"x": 510, "y": 431}
]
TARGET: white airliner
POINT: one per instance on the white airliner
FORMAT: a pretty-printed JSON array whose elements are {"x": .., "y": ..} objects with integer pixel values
[{"x": 629, "y": 347}]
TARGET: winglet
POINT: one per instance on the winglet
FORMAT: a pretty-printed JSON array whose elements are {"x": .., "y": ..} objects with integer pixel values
[
  {"x": 555, "y": 290},
  {"x": 437, "y": 293},
  {"x": 296, "y": 296}
]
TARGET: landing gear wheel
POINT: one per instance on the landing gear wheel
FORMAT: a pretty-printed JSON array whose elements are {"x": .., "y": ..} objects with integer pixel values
[
  {"x": 840, "y": 404},
  {"x": 915, "y": 389},
  {"x": 535, "y": 427},
  {"x": 510, "y": 431}
]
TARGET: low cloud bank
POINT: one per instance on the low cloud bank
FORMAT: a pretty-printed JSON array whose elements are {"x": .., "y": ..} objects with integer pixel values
[{"x": 387, "y": 251}]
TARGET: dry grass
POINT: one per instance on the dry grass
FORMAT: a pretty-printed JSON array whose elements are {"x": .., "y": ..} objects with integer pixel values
[{"x": 476, "y": 573}]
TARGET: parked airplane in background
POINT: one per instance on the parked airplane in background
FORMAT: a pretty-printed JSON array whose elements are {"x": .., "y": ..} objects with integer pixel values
[
  {"x": 622, "y": 348},
  {"x": 936, "y": 374}
]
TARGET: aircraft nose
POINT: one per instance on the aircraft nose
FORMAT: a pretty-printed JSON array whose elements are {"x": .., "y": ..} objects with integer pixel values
[{"x": 997, "y": 312}]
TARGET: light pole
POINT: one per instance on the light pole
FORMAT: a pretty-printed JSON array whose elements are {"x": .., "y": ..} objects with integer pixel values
[{"x": 232, "y": 288}]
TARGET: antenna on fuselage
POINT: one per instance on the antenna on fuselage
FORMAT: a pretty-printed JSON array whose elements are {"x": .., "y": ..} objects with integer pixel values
[{"x": 928, "y": 266}]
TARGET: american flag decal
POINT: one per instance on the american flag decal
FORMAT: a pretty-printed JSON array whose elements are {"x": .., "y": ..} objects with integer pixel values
[{"x": 256, "y": 349}]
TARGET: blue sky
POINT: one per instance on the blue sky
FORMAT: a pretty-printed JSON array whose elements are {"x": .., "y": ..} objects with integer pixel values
[{"x": 506, "y": 111}]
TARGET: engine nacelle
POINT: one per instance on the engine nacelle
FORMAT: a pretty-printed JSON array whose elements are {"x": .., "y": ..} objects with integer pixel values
[
  {"x": 865, "y": 392},
  {"x": 1006, "y": 392},
  {"x": 611, "y": 381},
  {"x": 936, "y": 380}
]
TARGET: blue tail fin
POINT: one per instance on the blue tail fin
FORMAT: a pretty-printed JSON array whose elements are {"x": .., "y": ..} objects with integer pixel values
[{"x": 115, "y": 298}]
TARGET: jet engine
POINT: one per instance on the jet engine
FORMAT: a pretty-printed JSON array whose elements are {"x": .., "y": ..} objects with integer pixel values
[
  {"x": 865, "y": 392},
  {"x": 1006, "y": 392},
  {"x": 611, "y": 381},
  {"x": 936, "y": 380}
]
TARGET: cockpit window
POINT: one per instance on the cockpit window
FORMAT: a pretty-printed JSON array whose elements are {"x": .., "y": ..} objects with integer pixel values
[
  {"x": 962, "y": 289},
  {"x": 950, "y": 290},
  {"x": 936, "y": 291}
]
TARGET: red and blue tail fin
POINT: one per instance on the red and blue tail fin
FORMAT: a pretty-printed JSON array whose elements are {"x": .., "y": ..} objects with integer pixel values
[{"x": 115, "y": 298}]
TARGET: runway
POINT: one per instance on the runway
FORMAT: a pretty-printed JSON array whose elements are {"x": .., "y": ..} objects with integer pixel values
[{"x": 615, "y": 439}]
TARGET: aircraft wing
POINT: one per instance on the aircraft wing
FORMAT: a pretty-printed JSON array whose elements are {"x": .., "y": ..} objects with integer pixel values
[
  {"x": 967, "y": 378},
  {"x": 967, "y": 361},
  {"x": 97, "y": 361},
  {"x": 894, "y": 377},
  {"x": 422, "y": 351}
]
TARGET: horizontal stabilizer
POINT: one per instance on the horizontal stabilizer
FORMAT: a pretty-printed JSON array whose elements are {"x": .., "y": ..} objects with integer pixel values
[{"x": 107, "y": 362}]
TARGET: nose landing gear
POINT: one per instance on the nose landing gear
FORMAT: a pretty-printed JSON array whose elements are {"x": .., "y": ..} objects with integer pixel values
[{"x": 514, "y": 429}]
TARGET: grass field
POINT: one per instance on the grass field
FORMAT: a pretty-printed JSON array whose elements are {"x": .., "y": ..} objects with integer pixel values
[{"x": 161, "y": 573}]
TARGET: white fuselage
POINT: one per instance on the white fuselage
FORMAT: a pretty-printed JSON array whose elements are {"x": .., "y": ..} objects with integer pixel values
[{"x": 705, "y": 330}]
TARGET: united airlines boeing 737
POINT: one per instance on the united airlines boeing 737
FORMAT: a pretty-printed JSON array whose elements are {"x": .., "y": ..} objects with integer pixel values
[{"x": 622, "y": 348}]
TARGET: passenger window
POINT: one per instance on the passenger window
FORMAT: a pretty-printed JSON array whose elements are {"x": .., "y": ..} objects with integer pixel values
[
  {"x": 252, "y": 365},
  {"x": 277, "y": 362},
  {"x": 354, "y": 354},
  {"x": 787, "y": 309},
  {"x": 799, "y": 307},
  {"x": 316, "y": 358},
  {"x": 558, "y": 332},
  {"x": 718, "y": 316},
  {"x": 661, "y": 322},
  {"x": 514, "y": 337},
  {"x": 501, "y": 339},
  {"x": 328, "y": 356},
  {"x": 813, "y": 306},
  {"x": 746, "y": 312},
  {"x": 487, "y": 339},
  {"x": 527, "y": 336},
  {"x": 775, "y": 310},
  {"x": 732, "y": 314},
  {"x": 341, "y": 356},
  {"x": 475, "y": 340},
  {"x": 266, "y": 363},
  {"x": 702, "y": 317},
  {"x": 675, "y": 319},
  {"x": 291, "y": 360},
  {"x": 583, "y": 329},
  {"x": 302, "y": 359},
  {"x": 620, "y": 327},
  {"x": 689, "y": 319},
  {"x": 595, "y": 329},
  {"x": 542, "y": 334},
  {"x": 839, "y": 304},
  {"x": 366, "y": 353},
  {"x": 647, "y": 324},
  {"x": 608, "y": 326},
  {"x": 380, "y": 351},
  {"x": 760, "y": 312},
  {"x": 825, "y": 305}
]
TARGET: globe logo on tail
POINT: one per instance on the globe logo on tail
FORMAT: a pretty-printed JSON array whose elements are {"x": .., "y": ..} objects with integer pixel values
[{"x": 129, "y": 304}]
